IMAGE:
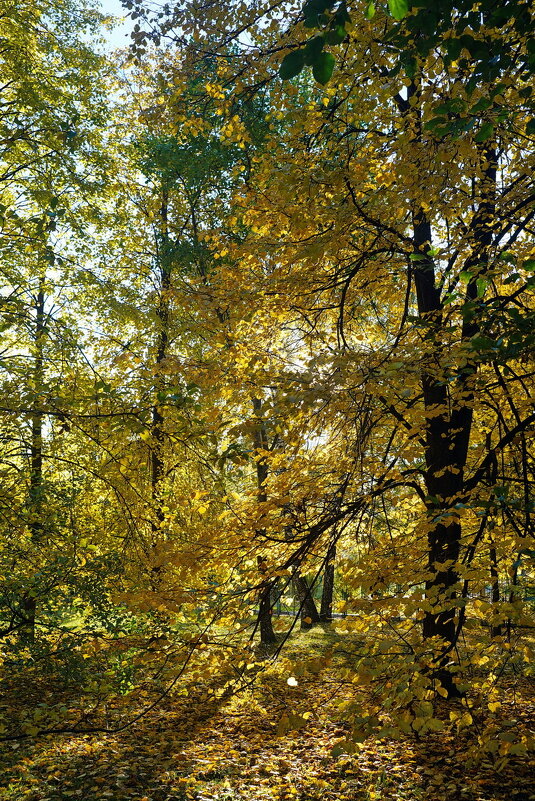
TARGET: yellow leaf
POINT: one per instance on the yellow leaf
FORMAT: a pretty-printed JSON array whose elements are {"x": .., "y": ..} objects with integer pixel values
[{"x": 283, "y": 726}]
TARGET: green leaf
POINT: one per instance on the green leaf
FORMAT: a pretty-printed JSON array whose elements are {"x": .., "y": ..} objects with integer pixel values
[
  {"x": 453, "y": 48},
  {"x": 430, "y": 125},
  {"x": 313, "y": 48},
  {"x": 453, "y": 106},
  {"x": 530, "y": 127},
  {"x": 485, "y": 132},
  {"x": 482, "y": 105},
  {"x": 370, "y": 10},
  {"x": 292, "y": 64},
  {"x": 481, "y": 285},
  {"x": 312, "y": 21},
  {"x": 321, "y": 5},
  {"x": 482, "y": 343},
  {"x": 342, "y": 15},
  {"x": 323, "y": 67},
  {"x": 313, "y": 8},
  {"x": 410, "y": 66},
  {"x": 398, "y": 8},
  {"x": 336, "y": 35}
]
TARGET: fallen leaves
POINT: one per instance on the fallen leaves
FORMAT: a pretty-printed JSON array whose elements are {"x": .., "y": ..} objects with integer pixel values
[{"x": 283, "y": 740}]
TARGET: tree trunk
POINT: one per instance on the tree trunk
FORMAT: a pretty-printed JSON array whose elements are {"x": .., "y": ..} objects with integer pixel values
[
  {"x": 496, "y": 630},
  {"x": 260, "y": 443},
  {"x": 265, "y": 610},
  {"x": 448, "y": 412},
  {"x": 157, "y": 462},
  {"x": 35, "y": 489},
  {"x": 512, "y": 594},
  {"x": 307, "y": 606},
  {"x": 326, "y": 609},
  {"x": 444, "y": 466}
]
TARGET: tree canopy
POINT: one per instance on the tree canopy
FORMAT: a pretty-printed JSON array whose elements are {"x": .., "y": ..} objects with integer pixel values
[{"x": 267, "y": 369}]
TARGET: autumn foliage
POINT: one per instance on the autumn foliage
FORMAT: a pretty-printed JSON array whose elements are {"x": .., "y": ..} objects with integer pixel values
[{"x": 267, "y": 394}]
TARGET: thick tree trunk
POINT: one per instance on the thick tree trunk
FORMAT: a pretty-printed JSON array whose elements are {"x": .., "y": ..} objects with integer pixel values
[
  {"x": 326, "y": 609},
  {"x": 307, "y": 606},
  {"x": 443, "y": 474},
  {"x": 448, "y": 409},
  {"x": 265, "y": 611}
]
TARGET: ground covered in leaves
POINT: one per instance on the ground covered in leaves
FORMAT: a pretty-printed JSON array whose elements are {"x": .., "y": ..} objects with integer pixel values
[{"x": 203, "y": 747}]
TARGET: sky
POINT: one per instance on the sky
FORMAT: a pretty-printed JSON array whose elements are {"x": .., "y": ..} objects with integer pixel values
[{"x": 119, "y": 37}]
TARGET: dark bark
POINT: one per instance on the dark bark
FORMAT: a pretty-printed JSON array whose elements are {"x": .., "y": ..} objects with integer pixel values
[
  {"x": 448, "y": 419},
  {"x": 443, "y": 474},
  {"x": 512, "y": 594},
  {"x": 265, "y": 609},
  {"x": 157, "y": 461},
  {"x": 28, "y": 606},
  {"x": 307, "y": 606},
  {"x": 326, "y": 609},
  {"x": 496, "y": 630},
  {"x": 267, "y": 634},
  {"x": 260, "y": 443}
]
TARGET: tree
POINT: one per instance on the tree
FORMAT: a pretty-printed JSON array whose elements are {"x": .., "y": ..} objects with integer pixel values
[
  {"x": 51, "y": 168},
  {"x": 401, "y": 199},
  {"x": 253, "y": 325}
]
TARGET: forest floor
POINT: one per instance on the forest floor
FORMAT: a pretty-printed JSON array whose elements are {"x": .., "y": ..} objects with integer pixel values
[{"x": 202, "y": 749}]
